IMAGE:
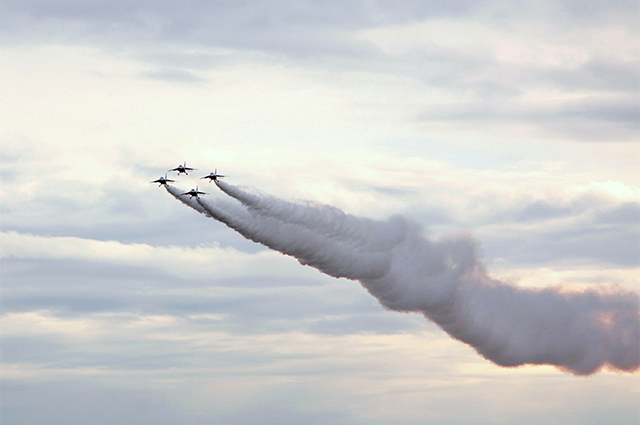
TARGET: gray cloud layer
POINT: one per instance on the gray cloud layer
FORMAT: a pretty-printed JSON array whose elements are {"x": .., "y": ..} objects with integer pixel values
[{"x": 179, "y": 39}]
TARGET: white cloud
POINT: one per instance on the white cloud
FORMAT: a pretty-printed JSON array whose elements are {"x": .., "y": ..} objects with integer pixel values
[
  {"x": 377, "y": 378},
  {"x": 197, "y": 262}
]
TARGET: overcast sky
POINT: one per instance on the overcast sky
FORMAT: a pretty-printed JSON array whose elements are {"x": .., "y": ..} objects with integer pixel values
[{"x": 514, "y": 122}]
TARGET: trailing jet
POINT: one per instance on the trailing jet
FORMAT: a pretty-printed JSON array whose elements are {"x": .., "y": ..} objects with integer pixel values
[
  {"x": 213, "y": 176},
  {"x": 193, "y": 193},
  {"x": 163, "y": 180},
  {"x": 182, "y": 169}
]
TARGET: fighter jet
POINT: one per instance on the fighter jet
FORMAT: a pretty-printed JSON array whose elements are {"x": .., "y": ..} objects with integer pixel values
[
  {"x": 213, "y": 176},
  {"x": 182, "y": 168},
  {"x": 193, "y": 193},
  {"x": 163, "y": 180}
]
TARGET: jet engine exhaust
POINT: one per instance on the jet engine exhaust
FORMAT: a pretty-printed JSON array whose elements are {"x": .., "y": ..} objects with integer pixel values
[{"x": 578, "y": 332}]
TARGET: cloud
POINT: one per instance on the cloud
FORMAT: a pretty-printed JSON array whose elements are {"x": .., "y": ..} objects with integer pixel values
[
  {"x": 180, "y": 261},
  {"x": 174, "y": 75},
  {"x": 198, "y": 373},
  {"x": 455, "y": 40},
  {"x": 628, "y": 213},
  {"x": 576, "y": 118}
]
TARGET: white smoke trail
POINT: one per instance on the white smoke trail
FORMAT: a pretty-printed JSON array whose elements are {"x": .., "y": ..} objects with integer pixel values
[
  {"x": 578, "y": 332},
  {"x": 231, "y": 209},
  {"x": 325, "y": 219},
  {"x": 331, "y": 256}
]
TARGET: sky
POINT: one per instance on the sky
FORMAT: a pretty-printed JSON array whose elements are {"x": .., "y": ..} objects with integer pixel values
[{"x": 514, "y": 124}]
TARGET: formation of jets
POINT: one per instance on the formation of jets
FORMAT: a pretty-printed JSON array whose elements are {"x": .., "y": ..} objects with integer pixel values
[{"x": 214, "y": 176}]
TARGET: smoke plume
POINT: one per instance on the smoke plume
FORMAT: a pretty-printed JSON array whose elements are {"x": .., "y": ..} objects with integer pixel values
[{"x": 579, "y": 332}]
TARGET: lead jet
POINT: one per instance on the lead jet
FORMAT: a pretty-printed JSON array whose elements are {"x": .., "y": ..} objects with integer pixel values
[
  {"x": 163, "y": 180},
  {"x": 213, "y": 176},
  {"x": 182, "y": 169},
  {"x": 193, "y": 193}
]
